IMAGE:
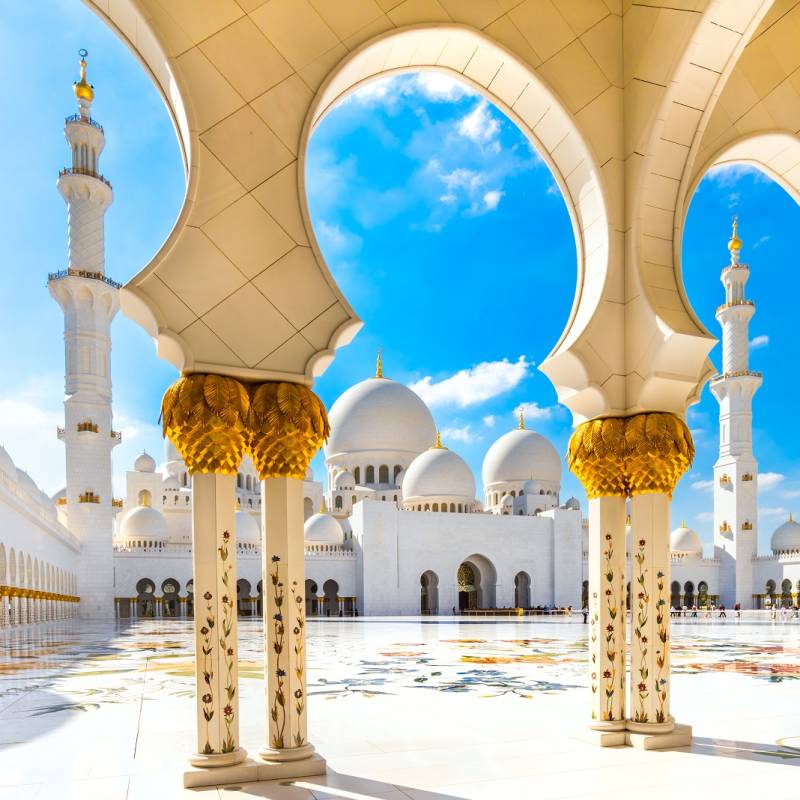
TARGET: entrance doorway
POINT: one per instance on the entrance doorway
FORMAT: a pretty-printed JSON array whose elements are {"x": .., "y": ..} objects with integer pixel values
[{"x": 429, "y": 593}]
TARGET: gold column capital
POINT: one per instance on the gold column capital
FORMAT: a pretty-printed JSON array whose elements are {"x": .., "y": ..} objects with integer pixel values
[
  {"x": 205, "y": 417},
  {"x": 626, "y": 456},
  {"x": 288, "y": 425}
]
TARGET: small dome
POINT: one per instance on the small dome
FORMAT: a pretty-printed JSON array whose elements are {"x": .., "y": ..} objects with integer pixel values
[
  {"x": 171, "y": 484},
  {"x": 529, "y": 487},
  {"x": 145, "y": 463},
  {"x": 520, "y": 455},
  {"x": 143, "y": 522},
  {"x": 247, "y": 527},
  {"x": 439, "y": 472},
  {"x": 685, "y": 540},
  {"x": 786, "y": 537},
  {"x": 7, "y": 465},
  {"x": 322, "y": 528},
  {"x": 379, "y": 414},
  {"x": 344, "y": 480},
  {"x": 507, "y": 501},
  {"x": 573, "y": 503}
]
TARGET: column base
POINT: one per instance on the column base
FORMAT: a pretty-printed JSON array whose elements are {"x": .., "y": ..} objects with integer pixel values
[
  {"x": 672, "y": 736},
  {"x": 216, "y": 760},
  {"x": 603, "y": 734},
  {"x": 251, "y": 771}
]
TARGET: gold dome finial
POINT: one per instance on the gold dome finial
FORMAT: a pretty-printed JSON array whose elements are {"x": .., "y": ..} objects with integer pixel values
[
  {"x": 82, "y": 88},
  {"x": 379, "y": 365},
  {"x": 735, "y": 243},
  {"x": 323, "y": 509},
  {"x": 439, "y": 445},
  {"x": 522, "y": 419},
  {"x": 791, "y": 517},
  {"x": 683, "y": 523}
]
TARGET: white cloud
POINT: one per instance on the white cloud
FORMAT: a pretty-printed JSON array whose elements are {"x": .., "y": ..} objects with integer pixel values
[
  {"x": 464, "y": 434},
  {"x": 728, "y": 175},
  {"x": 769, "y": 480},
  {"x": 534, "y": 411},
  {"x": 334, "y": 241},
  {"x": 772, "y": 511},
  {"x": 489, "y": 420},
  {"x": 468, "y": 387},
  {"x": 705, "y": 516},
  {"x": 492, "y": 199},
  {"x": 441, "y": 88},
  {"x": 759, "y": 341},
  {"x": 703, "y": 486},
  {"x": 761, "y": 240},
  {"x": 480, "y": 126},
  {"x": 791, "y": 493}
]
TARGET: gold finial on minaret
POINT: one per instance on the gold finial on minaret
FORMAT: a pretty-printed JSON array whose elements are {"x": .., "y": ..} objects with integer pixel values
[
  {"x": 735, "y": 243},
  {"x": 82, "y": 88},
  {"x": 379, "y": 365},
  {"x": 522, "y": 419}
]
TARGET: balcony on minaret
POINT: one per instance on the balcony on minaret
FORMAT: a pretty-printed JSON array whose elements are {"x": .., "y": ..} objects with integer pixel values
[
  {"x": 88, "y": 427},
  {"x": 725, "y": 481},
  {"x": 724, "y": 528},
  {"x": 82, "y": 273},
  {"x": 748, "y": 476},
  {"x": 89, "y": 497},
  {"x": 747, "y": 526}
]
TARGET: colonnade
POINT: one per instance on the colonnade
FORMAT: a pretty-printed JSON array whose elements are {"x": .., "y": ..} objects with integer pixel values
[
  {"x": 22, "y": 606},
  {"x": 636, "y": 460},
  {"x": 213, "y": 421}
]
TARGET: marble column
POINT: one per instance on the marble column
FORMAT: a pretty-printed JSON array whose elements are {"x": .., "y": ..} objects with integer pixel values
[
  {"x": 650, "y": 620},
  {"x": 320, "y": 605},
  {"x": 216, "y": 646},
  {"x": 607, "y": 621},
  {"x": 5, "y": 617},
  {"x": 284, "y": 621}
]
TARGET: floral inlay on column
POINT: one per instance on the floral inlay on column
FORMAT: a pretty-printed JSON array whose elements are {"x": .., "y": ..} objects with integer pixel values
[
  {"x": 611, "y": 633},
  {"x": 662, "y": 654},
  {"x": 640, "y": 632},
  {"x": 227, "y": 646},
  {"x": 278, "y": 708},
  {"x": 299, "y": 654},
  {"x": 208, "y": 670}
]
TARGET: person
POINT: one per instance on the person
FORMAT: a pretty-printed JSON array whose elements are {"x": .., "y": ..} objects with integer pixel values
[
  {"x": 694, "y": 611},
  {"x": 722, "y": 614},
  {"x": 454, "y": 610},
  {"x": 738, "y": 609},
  {"x": 356, "y": 612},
  {"x": 585, "y": 612}
]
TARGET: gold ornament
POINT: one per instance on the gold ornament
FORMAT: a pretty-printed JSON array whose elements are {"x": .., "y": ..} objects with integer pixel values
[
  {"x": 626, "y": 456},
  {"x": 288, "y": 425},
  {"x": 205, "y": 417},
  {"x": 735, "y": 243},
  {"x": 82, "y": 88}
]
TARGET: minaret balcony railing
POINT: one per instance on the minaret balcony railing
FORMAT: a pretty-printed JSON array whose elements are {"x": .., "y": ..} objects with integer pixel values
[
  {"x": 747, "y": 526},
  {"x": 89, "y": 497},
  {"x": 737, "y": 303},
  {"x": 60, "y": 433},
  {"x": 62, "y": 501},
  {"x": 725, "y": 480},
  {"x": 739, "y": 373},
  {"x": 88, "y": 427},
  {"x": 724, "y": 528},
  {"x": 84, "y": 120},
  {"x": 748, "y": 476},
  {"x": 116, "y": 503},
  {"x": 82, "y": 273},
  {"x": 117, "y": 435},
  {"x": 88, "y": 172}
]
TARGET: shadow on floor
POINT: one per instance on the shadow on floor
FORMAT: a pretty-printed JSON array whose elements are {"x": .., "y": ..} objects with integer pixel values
[
  {"x": 748, "y": 751},
  {"x": 331, "y": 786}
]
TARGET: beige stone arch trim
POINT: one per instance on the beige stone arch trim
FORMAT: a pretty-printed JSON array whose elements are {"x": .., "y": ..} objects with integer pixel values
[
  {"x": 666, "y": 359},
  {"x": 523, "y": 95}
]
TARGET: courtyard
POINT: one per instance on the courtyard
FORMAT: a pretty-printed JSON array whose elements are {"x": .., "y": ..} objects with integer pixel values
[{"x": 417, "y": 708}]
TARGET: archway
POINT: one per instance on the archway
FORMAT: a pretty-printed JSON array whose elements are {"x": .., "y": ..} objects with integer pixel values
[
  {"x": 786, "y": 593},
  {"x": 675, "y": 594},
  {"x": 145, "y": 600},
  {"x": 308, "y": 508},
  {"x": 190, "y": 598},
  {"x": 522, "y": 590},
  {"x": 244, "y": 605},
  {"x": 331, "y": 602},
  {"x": 688, "y": 594},
  {"x": 312, "y": 604},
  {"x": 476, "y": 583},
  {"x": 170, "y": 602},
  {"x": 429, "y": 593}
]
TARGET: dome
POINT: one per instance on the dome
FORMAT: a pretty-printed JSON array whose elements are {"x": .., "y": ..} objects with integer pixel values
[
  {"x": 529, "y": 487},
  {"x": 685, "y": 540},
  {"x": 143, "y": 522},
  {"x": 247, "y": 528},
  {"x": 573, "y": 503},
  {"x": 786, "y": 537},
  {"x": 439, "y": 472},
  {"x": 521, "y": 455},
  {"x": 507, "y": 501},
  {"x": 25, "y": 480},
  {"x": 145, "y": 463},
  {"x": 171, "y": 484},
  {"x": 344, "y": 480},
  {"x": 379, "y": 414},
  {"x": 322, "y": 528},
  {"x": 7, "y": 465}
]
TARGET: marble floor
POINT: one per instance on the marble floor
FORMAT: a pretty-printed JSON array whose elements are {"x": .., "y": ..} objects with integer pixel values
[{"x": 401, "y": 708}]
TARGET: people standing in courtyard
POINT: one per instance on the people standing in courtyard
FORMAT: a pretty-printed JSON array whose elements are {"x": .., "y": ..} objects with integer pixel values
[
  {"x": 738, "y": 609},
  {"x": 722, "y": 614},
  {"x": 585, "y": 612}
]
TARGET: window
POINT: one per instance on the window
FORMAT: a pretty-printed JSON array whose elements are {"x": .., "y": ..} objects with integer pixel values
[
  {"x": 338, "y": 501},
  {"x": 370, "y": 474},
  {"x": 383, "y": 474},
  {"x": 357, "y": 475}
]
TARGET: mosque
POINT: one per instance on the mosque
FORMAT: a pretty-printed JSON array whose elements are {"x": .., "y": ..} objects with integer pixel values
[{"x": 399, "y": 530}]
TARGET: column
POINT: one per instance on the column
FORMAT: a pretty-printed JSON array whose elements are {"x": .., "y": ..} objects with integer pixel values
[
  {"x": 320, "y": 605},
  {"x": 205, "y": 417},
  {"x": 650, "y": 621},
  {"x": 5, "y": 617},
  {"x": 607, "y": 620},
  {"x": 284, "y": 620},
  {"x": 117, "y": 602},
  {"x": 289, "y": 425},
  {"x": 216, "y": 646}
]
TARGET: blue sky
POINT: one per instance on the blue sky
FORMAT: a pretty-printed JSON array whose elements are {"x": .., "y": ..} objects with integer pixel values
[{"x": 443, "y": 227}]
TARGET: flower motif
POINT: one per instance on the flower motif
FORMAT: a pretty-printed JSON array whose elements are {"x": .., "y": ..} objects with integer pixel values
[
  {"x": 608, "y": 537},
  {"x": 277, "y": 617},
  {"x": 275, "y": 558},
  {"x": 204, "y": 631},
  {"x": 295, "y": 631},
  {"x": 279, "y": 673},
  {"x": 207, "y": 595},
  {"x": 609, "y": 628},
  {"x": 226, "y": 535},
  {"x": 607, "y": 673},
  {"x": 609, "y": 593},
  {"x": 207, "y": 698},
  {"x": 644, "y": 640},
  {"x": 228, "y": 711},
  {"x": 230, "y": 651},
  {"x": 298, "y": 693},
  {"x": 642, "y": 542},
  {"x": 642, "y": 687},
  {"x": 641, "y": 595}
]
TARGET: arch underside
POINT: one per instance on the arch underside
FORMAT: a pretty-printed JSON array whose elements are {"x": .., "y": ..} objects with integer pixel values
[{"x": 627, "y": 105}]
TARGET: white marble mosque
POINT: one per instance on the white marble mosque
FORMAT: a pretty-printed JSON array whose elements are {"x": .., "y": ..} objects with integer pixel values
[{"x": 399, "y": 529}]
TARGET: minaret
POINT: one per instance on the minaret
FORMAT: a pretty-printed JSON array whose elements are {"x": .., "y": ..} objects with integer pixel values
[
  {"x": 736, "y": 471},
  {"x": 89, "y": 301}
]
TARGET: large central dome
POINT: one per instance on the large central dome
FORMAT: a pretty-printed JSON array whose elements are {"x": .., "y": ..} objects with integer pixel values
[{"x": 379, "y": 414}]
